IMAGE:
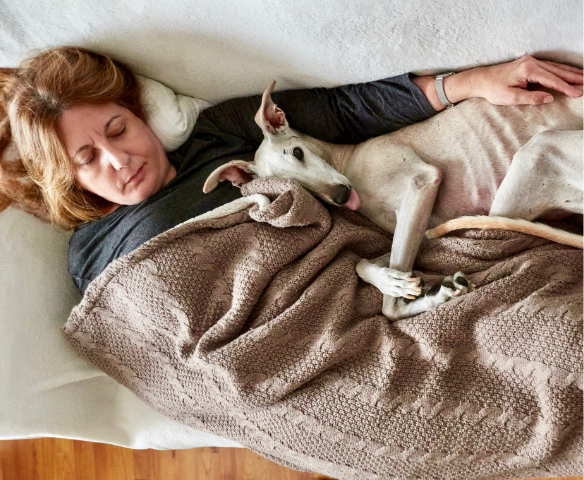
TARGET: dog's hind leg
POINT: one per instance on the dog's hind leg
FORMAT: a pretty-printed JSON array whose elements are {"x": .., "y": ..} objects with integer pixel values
[
  {"x": 545, "y": 175},
  {"x": 544, "y": 181}
]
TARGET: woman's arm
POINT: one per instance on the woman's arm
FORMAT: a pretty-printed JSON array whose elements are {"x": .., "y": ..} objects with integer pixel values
[
  {"x": 505, "y": 84},
  {"x": 354, "y": 113},
  {"x": 346, "y": 114}
]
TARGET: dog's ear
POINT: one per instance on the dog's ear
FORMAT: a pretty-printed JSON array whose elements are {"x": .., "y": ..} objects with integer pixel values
[
  {"x": 237, "y": 172},
  {"x": 270, "y": 118}
]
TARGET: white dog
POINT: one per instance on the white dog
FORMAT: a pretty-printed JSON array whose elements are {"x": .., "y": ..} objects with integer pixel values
[{"x": 520, "y": 162}]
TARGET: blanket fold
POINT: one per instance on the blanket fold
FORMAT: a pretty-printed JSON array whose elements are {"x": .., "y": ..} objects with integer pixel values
[{"x": 251, "y": 323}]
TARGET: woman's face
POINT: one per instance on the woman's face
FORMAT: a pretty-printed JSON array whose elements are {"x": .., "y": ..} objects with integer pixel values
[{"x": 114, "y": 153}]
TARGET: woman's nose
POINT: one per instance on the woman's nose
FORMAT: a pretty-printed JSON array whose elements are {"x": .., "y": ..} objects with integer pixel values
[{"x": 118, "y": 158}]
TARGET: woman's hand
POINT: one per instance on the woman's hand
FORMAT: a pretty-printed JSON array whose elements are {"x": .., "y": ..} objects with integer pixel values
[{"x": 504, "y": 84}]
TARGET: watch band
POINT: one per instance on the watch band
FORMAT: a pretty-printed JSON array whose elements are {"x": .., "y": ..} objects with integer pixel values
[{"x": 440, "y": 89}]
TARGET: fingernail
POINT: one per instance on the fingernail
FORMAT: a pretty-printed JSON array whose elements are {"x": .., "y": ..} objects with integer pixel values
[
  {"x": 411, "y": 297},
  {"x": 410, "y": 279},
  {"x": 548, "y": 99}
]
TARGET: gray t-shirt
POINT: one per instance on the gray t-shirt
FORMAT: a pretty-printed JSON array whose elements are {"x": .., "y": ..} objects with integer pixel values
[{"x": 348, "y": 114}]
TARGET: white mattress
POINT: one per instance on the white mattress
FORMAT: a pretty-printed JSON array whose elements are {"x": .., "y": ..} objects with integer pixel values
[{"x": 214, "y": 49}]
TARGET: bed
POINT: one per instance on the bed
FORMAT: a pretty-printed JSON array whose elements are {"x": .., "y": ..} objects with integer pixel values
[{"x": 213, "y": 51}]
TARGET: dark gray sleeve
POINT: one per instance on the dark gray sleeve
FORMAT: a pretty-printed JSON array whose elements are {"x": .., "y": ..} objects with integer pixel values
[
  {"x": 345, "y": 114},
  {"x": 80, "y": 283}
]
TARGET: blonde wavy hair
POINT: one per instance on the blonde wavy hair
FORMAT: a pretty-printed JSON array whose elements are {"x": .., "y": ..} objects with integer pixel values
[{"x": 33, "y": 97}]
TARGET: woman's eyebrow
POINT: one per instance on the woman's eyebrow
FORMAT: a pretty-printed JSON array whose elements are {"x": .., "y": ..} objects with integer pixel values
[{"x": 105, "y": 129}]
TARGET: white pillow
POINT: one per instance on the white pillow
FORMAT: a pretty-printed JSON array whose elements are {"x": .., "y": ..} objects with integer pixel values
[{"x": 171, "y": 117}]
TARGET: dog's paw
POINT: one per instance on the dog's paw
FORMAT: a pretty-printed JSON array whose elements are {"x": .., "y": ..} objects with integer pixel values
[
  {"x": 391, "y": 282},
  {"x": 451, "y": 287},
  {"x": 455, "y": 286}
]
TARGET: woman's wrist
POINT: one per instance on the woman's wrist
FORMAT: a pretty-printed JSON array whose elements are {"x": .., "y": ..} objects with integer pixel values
[
  {"x": 461, "y": 86},
  {"x": 457, "y": 87}
]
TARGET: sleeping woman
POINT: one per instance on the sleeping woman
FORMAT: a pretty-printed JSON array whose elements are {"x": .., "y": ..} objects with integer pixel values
[{"x": 90, "y": 163}]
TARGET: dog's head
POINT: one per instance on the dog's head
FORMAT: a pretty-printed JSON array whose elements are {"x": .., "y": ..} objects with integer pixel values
[{"x": 286, "y": 153}]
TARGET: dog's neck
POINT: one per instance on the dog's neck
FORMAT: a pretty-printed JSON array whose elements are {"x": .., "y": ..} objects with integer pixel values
[{"x": 337, "y": 156}]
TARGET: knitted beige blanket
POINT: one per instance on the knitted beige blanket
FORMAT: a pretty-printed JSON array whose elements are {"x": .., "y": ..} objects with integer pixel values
[{"x": 251, "y": 323}]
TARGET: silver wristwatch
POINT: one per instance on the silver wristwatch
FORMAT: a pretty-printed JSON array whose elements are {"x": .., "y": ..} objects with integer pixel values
[{"x": 440, "y": 89}]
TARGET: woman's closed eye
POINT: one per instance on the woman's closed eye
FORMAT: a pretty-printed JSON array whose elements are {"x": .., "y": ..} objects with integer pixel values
[
  {"x": 121, "y": 131},
  {"x": 93, "y": 155}
]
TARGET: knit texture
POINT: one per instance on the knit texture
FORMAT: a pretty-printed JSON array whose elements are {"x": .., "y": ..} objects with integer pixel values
[{"x": 254, "y": 326}]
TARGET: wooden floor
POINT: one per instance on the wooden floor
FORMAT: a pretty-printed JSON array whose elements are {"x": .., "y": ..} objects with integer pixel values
[{"x": 59, "y": 459}]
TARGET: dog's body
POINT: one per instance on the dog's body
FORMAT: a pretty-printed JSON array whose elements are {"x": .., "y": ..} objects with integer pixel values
[
  {"x": 472, "y": 144},
  {"x": 475, "y": 159}
]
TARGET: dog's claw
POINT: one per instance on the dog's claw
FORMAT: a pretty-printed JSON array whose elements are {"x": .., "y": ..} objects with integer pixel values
[{"x": 456, "y": 285}]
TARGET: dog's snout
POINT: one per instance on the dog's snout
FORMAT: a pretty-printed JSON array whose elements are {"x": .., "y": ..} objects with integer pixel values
[{"x": 341, "y": 194}]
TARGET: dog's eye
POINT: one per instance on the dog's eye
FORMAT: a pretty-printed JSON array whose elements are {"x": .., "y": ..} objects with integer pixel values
[{"x": 298, "y": 153}]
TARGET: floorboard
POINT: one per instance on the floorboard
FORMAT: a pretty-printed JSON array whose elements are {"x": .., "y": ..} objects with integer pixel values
[{"x": 61, "y": 459}]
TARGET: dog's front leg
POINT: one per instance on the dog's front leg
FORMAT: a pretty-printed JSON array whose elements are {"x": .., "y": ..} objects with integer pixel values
[
  {"x": 391, "y": 273},
  {"x": 412, "y": 218}
]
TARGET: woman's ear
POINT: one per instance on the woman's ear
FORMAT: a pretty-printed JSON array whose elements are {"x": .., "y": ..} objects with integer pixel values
[{"x": 237, "y": 172}]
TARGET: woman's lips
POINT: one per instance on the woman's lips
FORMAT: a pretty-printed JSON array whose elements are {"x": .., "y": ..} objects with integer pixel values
[{"x": 137, "y": 176}]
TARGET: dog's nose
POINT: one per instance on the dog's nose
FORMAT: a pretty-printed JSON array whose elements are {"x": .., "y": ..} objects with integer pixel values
[{"x": 341, "y": 194}]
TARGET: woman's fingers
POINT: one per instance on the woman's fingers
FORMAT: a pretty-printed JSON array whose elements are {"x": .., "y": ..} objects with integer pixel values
[
  {"x": 563, "y": 66},
  {"x": 553, "y": 79},
  {"x": 565, "y": 72}
]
